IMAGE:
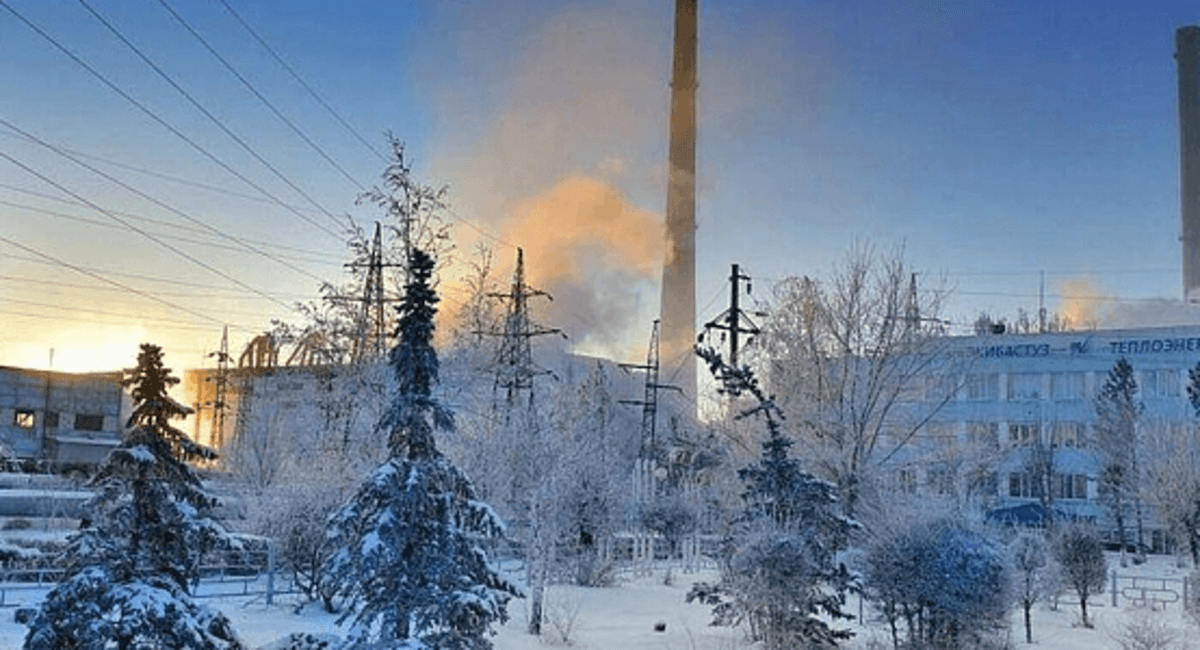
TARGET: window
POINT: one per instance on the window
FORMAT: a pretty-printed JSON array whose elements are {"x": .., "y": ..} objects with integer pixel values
[
  {"x": 23, "y": 419},
  {"x": 983, "y": 387},
  {"x": 941, "y": 433},
  {"x": 1024, "y": 386},
  {"x": 908, "y": 480},
  {"x": 89, "y": 422},
  {"x": 1022, "y": 434},
  {"x": 1160, "y": 383},
  {"x": 1068, "y": 434},
  {"x": 52, "y": 419},
  {"x": 984, "y": 434},
  {"x": 1066, "y": 385},
  {"x": 1070, "y": 486},
  {"x": 941, "y": 479},
  {"x": 940, "y": 387},
  {"x": 1024, "y": 486}
]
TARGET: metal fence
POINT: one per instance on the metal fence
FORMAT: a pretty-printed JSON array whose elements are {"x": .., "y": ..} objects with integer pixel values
[{"x": 248, "y": 573}]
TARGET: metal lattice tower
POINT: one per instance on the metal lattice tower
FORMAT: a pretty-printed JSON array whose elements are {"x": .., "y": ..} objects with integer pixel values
[
  {"x": 220, "y": 381},
  {"x": 371, "y": 339},
  {"x": 514, "y": 359},
  {"x": 649, "y": 402}
]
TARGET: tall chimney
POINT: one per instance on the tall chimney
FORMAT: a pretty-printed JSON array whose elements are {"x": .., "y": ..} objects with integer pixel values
[
  {"x": 679, "y": 265},
  {"x": 1187, "y": 53}
]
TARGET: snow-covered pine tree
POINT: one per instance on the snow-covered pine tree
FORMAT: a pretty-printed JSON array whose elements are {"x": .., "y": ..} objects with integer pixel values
[
  {"x": 130, "y": 567},
  {"x": 779, "y": 571},
  {"x": 410, "y": 564}
]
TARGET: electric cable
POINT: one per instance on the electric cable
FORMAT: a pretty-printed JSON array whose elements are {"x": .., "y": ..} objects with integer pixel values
[
  {"x": 154, "y": 116},
  {"x": 266, "y": 102},
  {"x": 204, "y": 111}
]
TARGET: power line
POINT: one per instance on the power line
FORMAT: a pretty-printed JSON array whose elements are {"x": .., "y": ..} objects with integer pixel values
[
  {"x": 169, "y": 177},
  {"x": 97, "y": 276},
  {"x": 295, "y": 75},
  {"x": 154, "y": 116},
  {"x": 157, "y": 202},
  {"x": 71, "y": 285},
  {"x": 58, "y": 318},
  {"x": 144, "y": 233},
  {"x": 102, "y": 312},
  {"x": 212, "y": 118},
  {"x": 264, "y": 100},
  {"x": 94, "y": 222},
  {"x": 160, "y": 222}
]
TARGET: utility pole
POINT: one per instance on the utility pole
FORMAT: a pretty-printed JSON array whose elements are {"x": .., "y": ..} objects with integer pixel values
[
  {"x": 220, "y": 390},
  {"x": 730, "y": 321},
  {"x": 514, "y": 360},
  {"x": 649, "y": 403}
]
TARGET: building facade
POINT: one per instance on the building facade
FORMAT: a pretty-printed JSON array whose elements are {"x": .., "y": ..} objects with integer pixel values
[
  {"x": 1017, "y": 400},
  {"x": 61, "y": 419}
]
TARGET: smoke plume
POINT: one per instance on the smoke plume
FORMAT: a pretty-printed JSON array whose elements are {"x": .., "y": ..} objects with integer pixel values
[
  {"x": 561, "y": 147},
  {"x": 1088, "y": 306}
]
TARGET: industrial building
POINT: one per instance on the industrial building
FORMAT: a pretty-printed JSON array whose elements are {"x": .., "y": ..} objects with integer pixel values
[
  {"x": 58, "y": 419},
  {"x": 1014, "y": 395}
]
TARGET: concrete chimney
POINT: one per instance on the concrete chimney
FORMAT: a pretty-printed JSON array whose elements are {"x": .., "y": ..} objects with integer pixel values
[
  {"x": 1187, "y": 54},
  {"x": 679, "y": 265}
]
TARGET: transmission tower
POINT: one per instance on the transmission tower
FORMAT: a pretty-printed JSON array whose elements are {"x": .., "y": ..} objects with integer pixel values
[
  {"x": 220, "y": 389},
  {"x": 649, "y": 402},
  {"x": 514, "y": 358},
  {"x": 730, "y": 320},
  {"x": 370, "y": 341}
]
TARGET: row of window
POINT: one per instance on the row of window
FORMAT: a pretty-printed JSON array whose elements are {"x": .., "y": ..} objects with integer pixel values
[
  {"x": 1019, "y": 434},
  {"x": 26, "y": 419},
  {"x": 1062, "y": 386},
  {"x": 1064, "y": 486},
  {"x": 1020, "y": 485}
]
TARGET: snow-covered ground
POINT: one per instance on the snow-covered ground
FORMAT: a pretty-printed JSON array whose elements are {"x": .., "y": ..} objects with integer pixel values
[{"x": 624, "y": 618}]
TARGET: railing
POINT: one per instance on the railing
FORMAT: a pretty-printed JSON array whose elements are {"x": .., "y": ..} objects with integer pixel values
[
  {"x": 1143, "y": 590},
  {"x": 254, "y": 573}
]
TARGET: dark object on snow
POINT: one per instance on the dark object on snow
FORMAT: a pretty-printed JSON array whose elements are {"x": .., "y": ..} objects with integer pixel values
[
  {"x": 24, "y": 615},
  {"x": 660, "y": 627},
  {"x": 1030, "y": 515}
]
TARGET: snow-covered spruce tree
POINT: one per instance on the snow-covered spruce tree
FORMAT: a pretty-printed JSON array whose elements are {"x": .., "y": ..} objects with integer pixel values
[
  {"x": 130, "y": 568},
  {"x": 410, "y": 564},
  {"x": 780, "y": 573}
]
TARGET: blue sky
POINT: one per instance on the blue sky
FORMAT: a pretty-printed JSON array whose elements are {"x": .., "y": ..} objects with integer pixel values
[{"x": 994, "y": 143}]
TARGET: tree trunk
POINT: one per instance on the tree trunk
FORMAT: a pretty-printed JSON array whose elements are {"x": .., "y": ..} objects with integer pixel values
[
  {"x": 1083, "y": 610},
  {"x": 1141, "y": 542},
  {"x": 1028, "y": 626},
  {"x": 1119, "y": 515}
]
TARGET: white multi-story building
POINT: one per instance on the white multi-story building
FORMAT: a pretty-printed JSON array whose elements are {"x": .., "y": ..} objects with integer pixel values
[{"x": 1024, "y": 394}]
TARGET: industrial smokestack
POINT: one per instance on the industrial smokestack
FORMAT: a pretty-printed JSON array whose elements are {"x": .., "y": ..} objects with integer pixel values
[
  {"x": 679, "y": 263},
  {"x": 1187, "y": 53}
]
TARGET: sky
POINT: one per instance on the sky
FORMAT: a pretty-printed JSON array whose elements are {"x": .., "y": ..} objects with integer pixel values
[{"x": 999, "y": 144}]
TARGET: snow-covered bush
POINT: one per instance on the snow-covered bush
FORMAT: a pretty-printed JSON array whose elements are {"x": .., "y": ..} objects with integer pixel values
[
  {"x": 410, "y": 561},
  {"x": 948, "y": 586},
  {"x": 130, "y": 568}
]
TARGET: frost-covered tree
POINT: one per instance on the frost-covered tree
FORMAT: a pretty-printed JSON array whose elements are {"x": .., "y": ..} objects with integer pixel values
[
  {"x": 1029, "y": 556},
  {"x": 411, "y": 563},
  {"x": 849, "y": 358},
  {"x": 1084, "y": 568},
  {"x": 1117, "y": 412},
  {"x": 779, "y": 572},
  {"x": 130, "y": 568},
  {"x": 947, "y": 585}
]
